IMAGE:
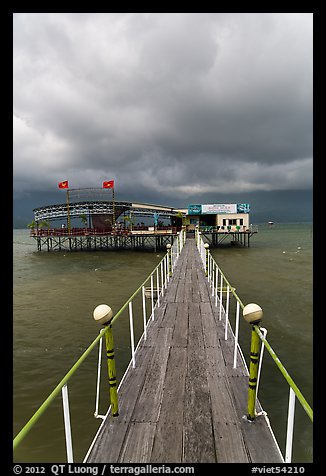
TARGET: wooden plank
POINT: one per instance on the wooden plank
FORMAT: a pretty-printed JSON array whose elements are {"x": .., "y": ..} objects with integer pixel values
[
  {"x": 195, "y": 287},
  {"x": 210, "y": 331},
  {"x": 149, "y": 400},
  {"x": 167, "y": 446},
  {"x": 203, "y": 286},
  {"x": 188, "y": 278},
  {"x": 159, "y": 311},
  {"x": 138, "y": 443},
  {"x": 183, "y": 262},
  {"x": 180, "y": 333},
  {"x": 172, "y": 290},
  {"x": 198, "y": 440},
  {"x": 195, "y": 333},
  {"x": 170, "y": 315},
  {"x": 109, "y": 443},
  {"x": 257, "y": 435},
  {"x": 188, "y": 292},
  {"x": 180, "y": 291},
  {"x": 154, "y": 325},
  {"x": 229, "y": 441}
]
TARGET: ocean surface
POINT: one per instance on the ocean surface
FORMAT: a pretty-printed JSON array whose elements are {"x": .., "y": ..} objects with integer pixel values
[{"x": 54, "y": 295}]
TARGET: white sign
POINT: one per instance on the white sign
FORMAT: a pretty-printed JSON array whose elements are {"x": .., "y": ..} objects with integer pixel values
[{"x": 220, "y": 208}]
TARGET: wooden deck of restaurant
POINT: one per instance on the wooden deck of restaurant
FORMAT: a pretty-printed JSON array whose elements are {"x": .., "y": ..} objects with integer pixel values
[{"x": 183, "y": 402}]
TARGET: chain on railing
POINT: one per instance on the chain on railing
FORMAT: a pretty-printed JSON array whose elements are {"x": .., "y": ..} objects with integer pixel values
[
  {"x": 220, "y": 285},
  {"x": 158, "y": 279}
]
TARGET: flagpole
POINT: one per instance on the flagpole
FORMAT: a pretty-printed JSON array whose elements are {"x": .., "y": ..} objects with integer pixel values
[
  {"x": 68, "y": 212},
  {"x": 113, "y": 208}
]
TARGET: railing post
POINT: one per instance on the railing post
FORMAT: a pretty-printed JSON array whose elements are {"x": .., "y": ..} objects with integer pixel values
[
  {"x": 206, "y": 246},
  {"x": 290, "y": 426},
  {"x": 168, "y": 247},
  {"x": 162, "y": 280},
  {"x": 216, "y": 284},
  {"x": 212, "y": 274},
  {"x": 253, "y": 314},
  {"x": 132, "y": 338},
  {"x": 236, "y": 337},
  {"x": 144, "y": 312},
  {"x": 152, "y": 294},
  {"x": 96, "y": 414},
  {"x": 66, "y": 415},
  {"x": 264, "y": 332},
  {"x": 103, "y": 315},
  {"x": 221, "y": 297},
  {"x": 227, "y": 312},
  {"x": 157, "y": 288}
]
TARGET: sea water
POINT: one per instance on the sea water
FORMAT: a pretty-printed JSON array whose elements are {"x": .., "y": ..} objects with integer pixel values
[{"x": 54, "y": 295}]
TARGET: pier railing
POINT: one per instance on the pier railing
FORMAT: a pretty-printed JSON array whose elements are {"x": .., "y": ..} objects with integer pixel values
[
  {"x": 228, "y": 229},
  {"x": 221, "y": 292},
  {"x": 157, "y": 283},
  {"x": 147, "y": 299},
  {"x": 86, "y": 231}
]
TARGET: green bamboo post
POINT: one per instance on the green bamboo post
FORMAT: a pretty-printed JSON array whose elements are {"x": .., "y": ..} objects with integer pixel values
[
  {"x": 168, "y": 247},
  {"x": 103, "y": 315},
  {"x": 253, "y": 374},
  {"x": 111, "y": 371},
  {"x": 253, "y": 314}
]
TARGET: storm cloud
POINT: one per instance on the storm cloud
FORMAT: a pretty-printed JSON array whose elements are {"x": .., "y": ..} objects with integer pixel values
[{"x": 174, "y": 104}]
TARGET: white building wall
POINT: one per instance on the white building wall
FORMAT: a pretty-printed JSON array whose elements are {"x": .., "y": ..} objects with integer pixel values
[{"x": 233, "y": 219}]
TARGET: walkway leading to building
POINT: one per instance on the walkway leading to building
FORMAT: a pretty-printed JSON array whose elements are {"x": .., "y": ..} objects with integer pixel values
[{"x": 183, "y": 402}]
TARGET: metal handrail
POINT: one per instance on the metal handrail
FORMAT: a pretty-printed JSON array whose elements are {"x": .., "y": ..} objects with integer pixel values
[
  {"x": 175, "y": 251},
  {"x": 209, "y": 264}
]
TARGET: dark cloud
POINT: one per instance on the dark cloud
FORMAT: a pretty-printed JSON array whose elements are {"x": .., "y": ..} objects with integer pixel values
[{"x": 174, "y": 104}]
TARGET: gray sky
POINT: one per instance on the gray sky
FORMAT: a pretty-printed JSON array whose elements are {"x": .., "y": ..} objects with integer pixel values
[{"x": 174, "y": 104}]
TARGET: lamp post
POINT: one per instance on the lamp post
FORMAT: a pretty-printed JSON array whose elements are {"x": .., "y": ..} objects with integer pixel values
[{"x": 103, "y": 315}]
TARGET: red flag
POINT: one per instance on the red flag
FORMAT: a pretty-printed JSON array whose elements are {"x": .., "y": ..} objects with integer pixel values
[
  {"x": 63, "y": 184},
  {"x": 109, "y": 184}
]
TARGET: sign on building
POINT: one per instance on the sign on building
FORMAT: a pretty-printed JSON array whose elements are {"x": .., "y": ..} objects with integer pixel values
[{"x": 218, "y": 208}]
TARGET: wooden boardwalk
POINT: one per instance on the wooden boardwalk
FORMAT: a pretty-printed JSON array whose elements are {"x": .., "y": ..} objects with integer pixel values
[{"x": 183, "y": 402}]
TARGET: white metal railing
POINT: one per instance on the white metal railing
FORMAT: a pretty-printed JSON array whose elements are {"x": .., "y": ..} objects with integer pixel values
[
  {"x": 158, "y": 279},
  {"x": 217, "y": 281},
  {"x": 220, "y": 285}
]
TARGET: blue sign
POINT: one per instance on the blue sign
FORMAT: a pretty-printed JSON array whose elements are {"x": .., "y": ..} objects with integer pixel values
[
  {"x": 243, "y": 207},
  {"x": 194, "y": 209}
]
